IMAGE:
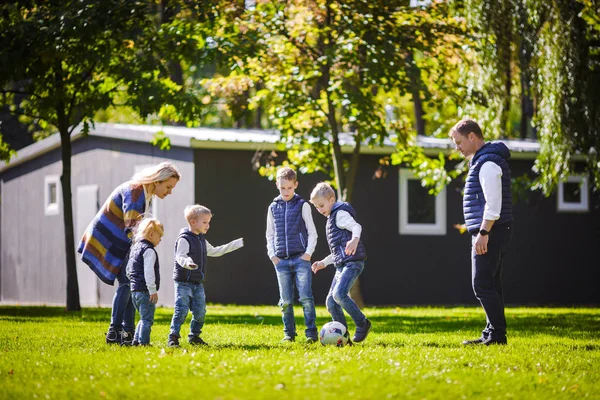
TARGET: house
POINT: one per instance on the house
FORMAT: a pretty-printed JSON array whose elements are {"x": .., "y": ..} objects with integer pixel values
[{"x": 415, "y": 255}]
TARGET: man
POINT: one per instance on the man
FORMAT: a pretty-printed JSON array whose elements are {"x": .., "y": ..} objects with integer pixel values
[{"x": 487, "y": 206}]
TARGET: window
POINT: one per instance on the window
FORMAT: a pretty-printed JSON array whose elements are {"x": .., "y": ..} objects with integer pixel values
[
  {"x": 420, "y": 212},
  {"x": 51, "y": 195},
  {"x": 154, "y": 206},
  {"x": 573, "y": 194}
]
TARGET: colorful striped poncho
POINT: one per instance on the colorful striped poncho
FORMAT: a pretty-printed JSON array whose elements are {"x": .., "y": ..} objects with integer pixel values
[{"x": 107, "y": 239}]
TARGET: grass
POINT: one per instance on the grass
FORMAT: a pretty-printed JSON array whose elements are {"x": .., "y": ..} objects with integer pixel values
[{"x": 412, "y": 353}]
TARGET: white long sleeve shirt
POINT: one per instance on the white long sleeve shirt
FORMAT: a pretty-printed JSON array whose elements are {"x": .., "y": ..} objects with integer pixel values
[
  {"x": 490, "y": 178},
  {"x": 183, "y": 248},
  {"x": 344, "y": 220},
  {"x": 310, "y": 228},
  {"x": 149, "y": 277}
]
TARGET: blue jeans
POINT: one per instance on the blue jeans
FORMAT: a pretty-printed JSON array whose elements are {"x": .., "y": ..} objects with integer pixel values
[
  {"x": 486, "y": 275},
  {"x": 123, "y": 313},
  {"x": 188, "y": 296},
  {"x": 141, "y": 301},
  {"x": 290, "y": 272},
  {"x": 338, "y": 299}
]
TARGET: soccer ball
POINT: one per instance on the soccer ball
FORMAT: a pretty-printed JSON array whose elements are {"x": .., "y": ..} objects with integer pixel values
[{"x": 333, "y": 333}]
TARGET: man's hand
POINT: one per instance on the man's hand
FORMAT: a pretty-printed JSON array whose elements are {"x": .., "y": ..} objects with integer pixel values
[
  {"x": 275, "y": 260},
  {"x": 154, "y": 298},
  {"x": 317, "y": 265},
  {"x": 305, "y": 257},
  {"x": 351, "y": 246},
  {"x": 481, "y": 244}
]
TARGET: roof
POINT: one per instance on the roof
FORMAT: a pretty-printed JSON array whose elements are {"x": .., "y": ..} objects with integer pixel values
[{"x": 237, "y": 139}]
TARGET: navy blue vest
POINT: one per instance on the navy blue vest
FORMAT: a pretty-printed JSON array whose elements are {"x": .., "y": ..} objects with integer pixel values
[
  {"x": 197, "y": 253},
  {"x": 291, "y": 236},
  {"x": 337, "y": 237},
  {"x": 473, "y": 200},
  {"x": 135, "y": 266}
]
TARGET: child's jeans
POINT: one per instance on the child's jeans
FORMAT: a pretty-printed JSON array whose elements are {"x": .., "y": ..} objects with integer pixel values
[
  {"x": 296, "y": 271},
  {"x": 123, "y": 313},
  {"x": 338, "y": 299},
  {"x": 188, "y": 296},
  {"x": 142, "y": 303}
]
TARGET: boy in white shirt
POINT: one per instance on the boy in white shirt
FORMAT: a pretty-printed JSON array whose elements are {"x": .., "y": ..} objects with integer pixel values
[
  {"x": 191, "y": 250},
  {"x": 291, "y": 240},
  {"x": 347, "y": 254}
]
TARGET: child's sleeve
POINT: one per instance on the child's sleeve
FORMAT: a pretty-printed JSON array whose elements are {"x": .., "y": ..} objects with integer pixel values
[
  {"x": 310, "y": 228},
  {"x": 224, "y": 249},
  {"x": 149, "y": 277},
  {"x": 344, "y": 220},
  {"x": 270, "y": 234},
  {"x": 181, "y": 253}
]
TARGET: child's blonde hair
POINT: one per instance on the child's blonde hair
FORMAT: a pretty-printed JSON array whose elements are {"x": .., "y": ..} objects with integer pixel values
[
  {"x": 194, "y": 211},
  {"x": 286, "y": 173},
  {"x": 324, "y": 190},
  {"x": 157, "y": 173},
  {"x": 148, "y": 225}
]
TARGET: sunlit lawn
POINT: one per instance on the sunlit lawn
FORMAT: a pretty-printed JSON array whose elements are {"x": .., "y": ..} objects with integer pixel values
[{"x": 412, "y": 353}]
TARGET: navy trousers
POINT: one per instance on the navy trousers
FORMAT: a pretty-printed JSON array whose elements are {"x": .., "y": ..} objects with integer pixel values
[{"x": 486, "y": 276}]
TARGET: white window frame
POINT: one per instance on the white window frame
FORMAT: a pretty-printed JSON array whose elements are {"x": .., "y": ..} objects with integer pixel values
[
  {"x": 137, "y": 169},
  {"x": 583, "y": 205},
  {"x": 438, "y": 228},
  {"x": 51, "y": 208}
]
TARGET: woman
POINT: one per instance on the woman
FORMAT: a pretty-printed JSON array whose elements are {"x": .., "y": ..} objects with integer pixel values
[{"x": 106, "y": 242}]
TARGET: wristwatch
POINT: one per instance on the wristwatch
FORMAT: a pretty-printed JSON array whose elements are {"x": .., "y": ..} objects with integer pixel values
[{"x": 483, "y": 232}]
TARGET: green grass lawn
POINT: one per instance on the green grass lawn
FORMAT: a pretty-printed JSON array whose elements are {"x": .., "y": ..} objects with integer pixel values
[{"x": 412, "y": 353}]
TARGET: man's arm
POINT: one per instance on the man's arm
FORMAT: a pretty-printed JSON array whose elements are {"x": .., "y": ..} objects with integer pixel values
[{"x": 490, "y": 178}]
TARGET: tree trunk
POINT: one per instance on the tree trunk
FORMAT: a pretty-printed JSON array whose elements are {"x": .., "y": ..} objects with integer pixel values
[
  {"x": 415, "y": 89},
  {"x": 73, "y": 303}
]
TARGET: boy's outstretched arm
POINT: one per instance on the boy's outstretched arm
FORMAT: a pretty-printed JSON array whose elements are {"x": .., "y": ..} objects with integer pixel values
[{"x": 224, "y": 249}]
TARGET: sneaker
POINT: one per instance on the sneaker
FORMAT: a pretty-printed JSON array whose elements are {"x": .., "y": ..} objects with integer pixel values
[
  {"x": 173, "y": 341},
  {"x": 362, "y": 332},
  {"x": 197, "y": 341},
  {"x": 288, "y": 338},
  {"x": 135, "y": 343},
  {"x": 113, "y": 336},
  {"x": 126, "y": 338},
  {"x": 490, "y": 342},
  {"x": 473, "y": 342},
  {"x": 311, "y": 340}
]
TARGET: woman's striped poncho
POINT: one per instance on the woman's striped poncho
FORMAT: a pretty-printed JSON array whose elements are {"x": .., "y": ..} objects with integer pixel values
[{"x": 107, "y": 239}]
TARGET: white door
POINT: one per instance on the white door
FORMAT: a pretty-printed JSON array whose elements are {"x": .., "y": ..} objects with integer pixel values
[{"x": 87, "y": 207}]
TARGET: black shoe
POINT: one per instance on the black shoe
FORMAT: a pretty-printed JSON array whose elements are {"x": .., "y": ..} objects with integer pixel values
[
  {"x": 495, "y": 341},
  {"x": 173, "y": 341},
  {"x": 474, "y": 341},
  {"x": 362, "y": 332},
  {"x": 113, "y": 336},
  {"x": 126, "y": 338},
  {"x": 197, "y": 341},
  {"x": 311, "y": 340},
  {"x": 135, "y": 343}
]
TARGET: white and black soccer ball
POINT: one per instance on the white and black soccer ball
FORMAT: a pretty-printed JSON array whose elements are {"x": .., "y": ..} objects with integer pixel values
[{"x": 333, "y": 333}]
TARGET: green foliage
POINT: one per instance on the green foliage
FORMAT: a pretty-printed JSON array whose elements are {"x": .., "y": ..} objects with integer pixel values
[
  {"x": 326, "y": 70},
  {"x": 412, "y": 353},
  {"x": 161, "y": 141}
]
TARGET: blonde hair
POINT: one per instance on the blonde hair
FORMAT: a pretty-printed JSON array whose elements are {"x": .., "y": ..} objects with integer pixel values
[
  {"x": 286, "y": 173},
  {"x": 194, "y": 211},
  {"x": 148, "y": 225},
  {"x": 157, "y": 173},
  {"x": 324, "y": 190}
]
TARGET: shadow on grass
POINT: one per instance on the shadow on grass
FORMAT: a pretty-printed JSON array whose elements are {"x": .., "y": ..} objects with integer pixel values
[{"x": 582, "y": 322}]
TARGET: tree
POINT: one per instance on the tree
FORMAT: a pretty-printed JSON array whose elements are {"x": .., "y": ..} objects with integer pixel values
[
  {"x": 73, "y": 58},
  {"x": 327, "y": 70}
]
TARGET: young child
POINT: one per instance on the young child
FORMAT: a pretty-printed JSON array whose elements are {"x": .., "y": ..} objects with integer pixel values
[
  {"x": 191, "y": 250},
  {"x": 144, "y": 273},
  {"x": 347, "y": 254},
  {"x": 291, "y": 240}
]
